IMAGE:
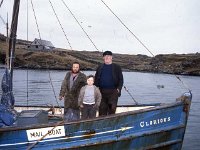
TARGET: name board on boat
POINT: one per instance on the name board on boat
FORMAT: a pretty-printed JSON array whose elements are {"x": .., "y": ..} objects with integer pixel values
[{"x": 45, "y": 133}]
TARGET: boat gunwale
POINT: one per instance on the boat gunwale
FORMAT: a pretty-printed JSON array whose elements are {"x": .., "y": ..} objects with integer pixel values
[{"x": 60, "y": 123}]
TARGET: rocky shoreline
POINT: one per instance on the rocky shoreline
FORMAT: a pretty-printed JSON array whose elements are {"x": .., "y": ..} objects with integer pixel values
[{"x": 60, "y": 59}]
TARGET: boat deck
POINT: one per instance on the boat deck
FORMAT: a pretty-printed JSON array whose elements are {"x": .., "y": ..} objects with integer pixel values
[{"x": 46, "y": 115}]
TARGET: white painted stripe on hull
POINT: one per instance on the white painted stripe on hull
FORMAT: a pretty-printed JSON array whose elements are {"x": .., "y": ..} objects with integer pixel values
[{"x": 64, "y": 138}]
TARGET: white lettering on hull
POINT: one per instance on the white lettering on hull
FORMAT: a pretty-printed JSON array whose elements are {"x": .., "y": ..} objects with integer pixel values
[{"x": 154, "y": 122}]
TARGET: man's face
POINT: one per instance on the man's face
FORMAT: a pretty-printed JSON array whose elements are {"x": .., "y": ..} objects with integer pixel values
[
  {"x": 107, "y": 59},
  {"x": 75, "y": 68}
]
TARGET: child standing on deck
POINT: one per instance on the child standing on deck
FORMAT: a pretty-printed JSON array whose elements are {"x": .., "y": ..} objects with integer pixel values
[{"x": 89, "y": 99}]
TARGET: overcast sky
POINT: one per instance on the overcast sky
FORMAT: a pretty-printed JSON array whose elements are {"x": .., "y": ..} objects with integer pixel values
[{"x": 164, "y": 26}]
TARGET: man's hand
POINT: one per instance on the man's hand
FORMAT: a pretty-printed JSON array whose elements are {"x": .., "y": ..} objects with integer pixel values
[
  {"x": 61, "y": 97},
  {"x": 96, "y": 107}
]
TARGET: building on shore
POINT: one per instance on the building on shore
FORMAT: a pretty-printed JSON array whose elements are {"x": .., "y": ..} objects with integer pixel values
[{"x": 40, "y": 45}]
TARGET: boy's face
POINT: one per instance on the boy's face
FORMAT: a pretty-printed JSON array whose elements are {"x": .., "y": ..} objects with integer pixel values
[{"x": 90, "y": 81}]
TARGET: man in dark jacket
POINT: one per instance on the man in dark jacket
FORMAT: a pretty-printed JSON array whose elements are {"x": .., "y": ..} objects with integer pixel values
[
  {"x": 109, "y": 79},
  {"x": 70, "y": 88}
]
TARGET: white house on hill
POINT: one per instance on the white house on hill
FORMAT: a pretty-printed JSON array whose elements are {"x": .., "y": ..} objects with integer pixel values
[{"x": 40, "y": 45}]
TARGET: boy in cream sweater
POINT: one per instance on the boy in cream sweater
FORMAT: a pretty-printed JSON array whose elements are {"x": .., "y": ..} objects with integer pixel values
[{"x": 89, "y": 99}]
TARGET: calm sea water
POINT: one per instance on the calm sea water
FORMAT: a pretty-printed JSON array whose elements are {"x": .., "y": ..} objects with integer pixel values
[{"x": 33, "y": 87}]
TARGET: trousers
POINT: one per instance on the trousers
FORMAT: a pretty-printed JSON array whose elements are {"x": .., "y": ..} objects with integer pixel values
[{"x": 109, "y": 101}]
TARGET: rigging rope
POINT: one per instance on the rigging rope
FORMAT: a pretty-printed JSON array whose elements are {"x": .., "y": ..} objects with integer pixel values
[
  {"x": 60, "y": 24},
  {"x": 27, "y": 20},
  {"x": 140, "y": 40},
  {"x": 27, "y": 87},
  {"x": 46, "y": 61},
  {"x": 80, "y": 25},
  {"x": 1, "y": 3},
  {"x": 6, "y": 24},
  {"x": 54, "y": 91},
  {"x": 128, "y": 28},
  {"x": 183, "y": 83},
  {"x": 3, "y": 20},
  {"x": 35, "y": 19},
  {"x": 130, "y": 95},
  {"x": 0, "y": 15}
]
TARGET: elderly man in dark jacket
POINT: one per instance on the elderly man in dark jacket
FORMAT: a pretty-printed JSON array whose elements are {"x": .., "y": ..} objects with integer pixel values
[
  {"x": 109, "y": 79},
  {"x": 71, "y": 85}
]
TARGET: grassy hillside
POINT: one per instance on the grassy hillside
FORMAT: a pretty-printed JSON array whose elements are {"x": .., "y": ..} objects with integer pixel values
[{"x": 61, "y": 59}]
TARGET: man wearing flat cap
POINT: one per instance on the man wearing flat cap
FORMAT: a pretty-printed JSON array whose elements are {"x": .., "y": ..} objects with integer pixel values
[{"x": 109, "y": 79}]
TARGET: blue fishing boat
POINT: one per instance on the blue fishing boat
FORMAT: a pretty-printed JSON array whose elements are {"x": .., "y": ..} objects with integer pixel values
[
  {"x": 140, "y": 126},
  {"x": 158, "y": 126}
]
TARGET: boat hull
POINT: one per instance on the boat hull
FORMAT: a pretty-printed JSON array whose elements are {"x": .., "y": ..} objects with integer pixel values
[{"x": 157, "y": 127}]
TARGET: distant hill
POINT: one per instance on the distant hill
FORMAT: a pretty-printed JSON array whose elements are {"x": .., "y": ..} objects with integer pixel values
[{"x": 188, "y": 64}]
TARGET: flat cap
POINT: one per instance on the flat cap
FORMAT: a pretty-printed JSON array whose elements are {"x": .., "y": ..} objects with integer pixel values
[{"x": 107, "y": 53}]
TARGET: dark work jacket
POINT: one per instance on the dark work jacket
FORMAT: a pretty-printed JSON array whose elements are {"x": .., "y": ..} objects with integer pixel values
[
  {"x": 116, "y": 73},
  {"x": 71, "y": 95}
]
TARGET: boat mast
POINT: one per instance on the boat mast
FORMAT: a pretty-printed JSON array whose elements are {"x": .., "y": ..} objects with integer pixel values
[
  {"x": 7, "y": 29},
  {"x": 12, "y": 38}
]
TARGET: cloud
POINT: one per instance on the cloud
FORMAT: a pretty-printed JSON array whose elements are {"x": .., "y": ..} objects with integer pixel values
[{"x": 170, "y": 26}]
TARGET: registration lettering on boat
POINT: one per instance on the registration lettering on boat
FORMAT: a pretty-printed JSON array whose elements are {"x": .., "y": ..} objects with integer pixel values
[
  {"x": 155, "y": 122},
  {"x": 45, "y": 133}
]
